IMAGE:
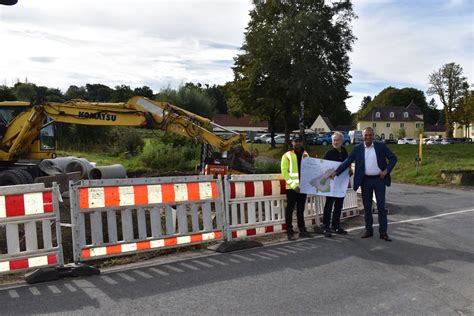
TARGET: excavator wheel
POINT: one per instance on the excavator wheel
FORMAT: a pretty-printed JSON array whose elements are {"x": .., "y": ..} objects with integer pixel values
[{"x": 15, "y": 177}]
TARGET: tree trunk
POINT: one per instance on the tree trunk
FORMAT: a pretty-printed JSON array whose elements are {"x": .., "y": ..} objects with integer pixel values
[{"x": 448, "y": 123}]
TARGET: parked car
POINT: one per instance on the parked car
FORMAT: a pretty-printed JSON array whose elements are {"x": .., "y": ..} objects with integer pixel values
[
  {"x": 262, "y": 138},
  {"x": 279, "y": 139},
  {"x": 390, "y": 141},
  {"x": 447, "y": 141},
  {"x": 405, "y": 140},
  {"x": 327, "y": 140},
  {"x": 434, "y": 141}
]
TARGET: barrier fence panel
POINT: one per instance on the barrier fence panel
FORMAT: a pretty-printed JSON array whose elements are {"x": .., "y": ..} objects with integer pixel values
[
  {"x": 29, "y": 227},
  {"x": 123, "y": 216},
  {"x": 255, "y": 205}
]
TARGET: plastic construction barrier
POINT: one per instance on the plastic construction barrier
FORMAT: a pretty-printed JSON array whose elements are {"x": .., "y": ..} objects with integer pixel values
[
  {"x": 255, "y": 205},
  {"x": 124, "y": 216},
  {"x": 30, "y": 228}
]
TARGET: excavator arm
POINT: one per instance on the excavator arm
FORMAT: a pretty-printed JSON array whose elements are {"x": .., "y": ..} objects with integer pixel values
[{"x": 20, "y": 139}]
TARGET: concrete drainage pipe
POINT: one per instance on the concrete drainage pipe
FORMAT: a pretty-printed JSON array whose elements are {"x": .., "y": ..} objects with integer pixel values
[{"x": 108, "y": 172}]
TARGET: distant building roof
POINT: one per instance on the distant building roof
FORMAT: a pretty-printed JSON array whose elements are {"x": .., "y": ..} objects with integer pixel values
[
  {"x": 343, "y": 128},
  {"x": 412, "y": 110},
  {"x": 244, "y": 121},
  {"x": 434, "y": 128},
  {"x": 328, "y": 122}
]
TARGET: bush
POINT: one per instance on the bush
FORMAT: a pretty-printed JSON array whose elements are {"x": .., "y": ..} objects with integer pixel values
[
  {"x": 166, "y": 157},
  {"x": 265, "y": 168},
  {"x": 125, "y": 139}
]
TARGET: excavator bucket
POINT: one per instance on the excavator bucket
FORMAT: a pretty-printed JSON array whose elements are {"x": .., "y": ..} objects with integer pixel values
[{"x": 242, "y": 161}]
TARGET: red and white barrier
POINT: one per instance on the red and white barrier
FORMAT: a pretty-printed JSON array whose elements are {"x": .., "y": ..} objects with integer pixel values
[
  {"x": 170, "y": 212},
  {"x": 255, "y": 206},
  {"x": 22, "y": 207}
]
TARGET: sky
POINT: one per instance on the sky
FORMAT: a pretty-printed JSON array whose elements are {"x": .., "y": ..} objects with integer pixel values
[{"x": 165, "y": 43}]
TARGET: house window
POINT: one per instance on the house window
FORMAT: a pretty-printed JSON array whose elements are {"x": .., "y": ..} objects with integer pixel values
[
  {"x": 405, "y": 114},
  {"x": 392, "y": 115},
  {"x": 417, "y": 125},
  {"x": 382, "y": 136},
  {"x": 377, "y": 114},
  {"x": 402, "y": 125},
  {"x": 388, "y": 125},
  {"x": 391, "y": 136},
  {"x": 374, "y": 124}
]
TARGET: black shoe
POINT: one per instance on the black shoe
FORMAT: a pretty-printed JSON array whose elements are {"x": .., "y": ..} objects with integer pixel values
[
  {"x": 385, "y": 237},
  {"x": 366, "y": 234},
  {"x": 339, "y": 231},
  {"x": 291, "y": 235},
  {"x": 305, "y": 234},
  {"x": 327, "y": 233}
]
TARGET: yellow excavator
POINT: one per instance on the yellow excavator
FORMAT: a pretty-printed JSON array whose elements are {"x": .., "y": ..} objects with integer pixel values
[{"x": 27, "y": 133}]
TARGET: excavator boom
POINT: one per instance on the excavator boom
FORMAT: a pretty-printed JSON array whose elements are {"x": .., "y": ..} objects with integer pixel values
[{"x": 21, "y": 132}]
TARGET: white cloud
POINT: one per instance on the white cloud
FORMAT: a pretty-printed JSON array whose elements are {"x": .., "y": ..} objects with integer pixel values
[{"x": 159, "y": 42}]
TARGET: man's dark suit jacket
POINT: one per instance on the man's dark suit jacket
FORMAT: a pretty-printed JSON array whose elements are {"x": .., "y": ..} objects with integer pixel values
[{"x": 358, "y": 155}]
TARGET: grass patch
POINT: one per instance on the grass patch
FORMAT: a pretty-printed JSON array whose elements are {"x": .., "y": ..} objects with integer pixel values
[{"x": 435, "y": 158}]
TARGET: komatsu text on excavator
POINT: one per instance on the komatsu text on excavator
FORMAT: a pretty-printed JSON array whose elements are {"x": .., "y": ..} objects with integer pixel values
[{"x": 27, "y": 133}]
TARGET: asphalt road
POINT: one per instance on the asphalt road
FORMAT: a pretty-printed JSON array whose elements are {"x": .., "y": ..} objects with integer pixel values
[{"x": 427, "y": 270}]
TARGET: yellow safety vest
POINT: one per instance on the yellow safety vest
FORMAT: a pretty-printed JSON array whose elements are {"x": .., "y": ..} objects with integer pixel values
[{"x": 289, "y": 169}]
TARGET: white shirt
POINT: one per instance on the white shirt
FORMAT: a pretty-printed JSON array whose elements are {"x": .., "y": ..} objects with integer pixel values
[{"x": 371, "y": 166}]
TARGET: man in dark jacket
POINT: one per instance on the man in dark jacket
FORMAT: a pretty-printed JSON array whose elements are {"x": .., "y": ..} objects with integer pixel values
[{"x": 372, "y": 173}]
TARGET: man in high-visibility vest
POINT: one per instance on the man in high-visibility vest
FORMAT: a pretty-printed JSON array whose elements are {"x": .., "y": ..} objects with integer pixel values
[{"x": 290, "y": 166}]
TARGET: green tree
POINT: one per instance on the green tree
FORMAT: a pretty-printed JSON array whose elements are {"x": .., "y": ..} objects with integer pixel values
[
  {"x": 98, "y": 93},
  {"x": 24, "y": 91},
  {"x": 294, "y": 51},
  {"x": 464, "y": 113},
  {"x": 144, "y": 92},
  {"x": 450, "y": 85},
  {"x": 75, "y": 92},
  {"x": 7, "y": 94},
  {"x": 122, "y": 93},
  {"x": 190, "y": 97},
  {"x": 391, "y": 96},
  {"x": 365, "y": 102}
]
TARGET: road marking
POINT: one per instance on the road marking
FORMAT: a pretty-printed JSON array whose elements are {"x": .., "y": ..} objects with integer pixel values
[
  {"x": 54, "y": 289},
  {"x": 126, "y": 277},
  {"x": 70, "y": 287},
  {"x": 242, "y": 257},
  {"x": 234, "y": 260},
  {"x": 174, "y": 269},
  {"x": 287, "y": 250},
  {"x": 34, "y": 290},
  {"x": 13, "y": 294},
  {"x": 278, "y": 252},
  {"x": 294, "y": 247},
  {"x": 161, "y": 272},
  {"x": 217, "y": 261},
  {"x": 417, "y": 219},
  {"x": 191, "y": 267},
  {"x": 261, "y": 256},
  {"x": 143, "y": 274},
  {"x": 269, "y": 254},
  {"x": 94, "y": 293},
  {"x": 108, "y": 279},
  {"x": 202, "y": 263}
]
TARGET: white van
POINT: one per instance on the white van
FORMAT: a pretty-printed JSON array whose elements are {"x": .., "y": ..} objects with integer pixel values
[{"x": 356, "y": 136}]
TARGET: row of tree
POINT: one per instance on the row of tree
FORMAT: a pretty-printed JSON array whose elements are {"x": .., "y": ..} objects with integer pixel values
[{"x": 203, "y": 100}]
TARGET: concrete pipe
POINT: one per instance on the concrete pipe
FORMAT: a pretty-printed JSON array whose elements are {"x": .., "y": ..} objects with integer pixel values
[
  {"x": 55, "y": 166},
  {"x": 108, "y": 172},
  {"x": 79, "y": 164}
]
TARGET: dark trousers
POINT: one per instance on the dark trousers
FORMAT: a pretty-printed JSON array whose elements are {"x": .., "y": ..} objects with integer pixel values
[
  {"x": 299, "y": 199},
  {"x": 336, "y": 214},
  {"x": 377, "y": 185}
]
